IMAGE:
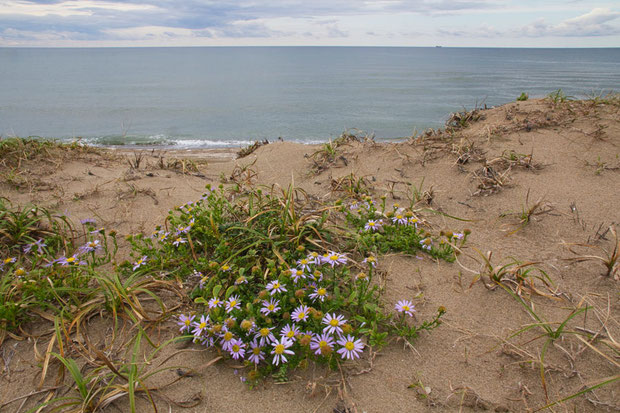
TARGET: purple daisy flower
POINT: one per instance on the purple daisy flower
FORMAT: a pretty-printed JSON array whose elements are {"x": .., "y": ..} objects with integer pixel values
[
  {"x": 319, "y": 294},
  {"x": 214, "y": 302},
  {"x": 280, "y": 349},
  {"x": 257, "y": 355},
  {"x": 227, "y": 340},
  {"x": 290, "y": 331},
  {"x": 178, "y": 241},
  {"x": 265, "y": 336},
  {"x": 233, "y": 303},
  {"x": 333, "y": 258},
  {"x": 426, "y": 244},
  {"x": 300, "y": 314},
  {"x": 236, "y": 349},
  {"x": 200, "y": 326},
  {"x": 140, "y": 262},
  {"x": 351, "y": 348},
  {"x": 72, "y": 260},
  {"x": 334, "y": 323},
  {"x": 399, "y": 219},
  {"x": 314, "y": 258},
  {"x": 322, "y": 344},
  {"x": 297, "y": 274},
  {"x": 304, "y": 264},
  {"x": 406, "y": 307},
  {"x": 373, "y": 225},
  {"x": 91, "y": 246},
  {"x": 275, "y": 287},
  {"x": 271, "y": 306},
  {"x": 185, "y": 322},
  {"x": 412, "y": 222},
  {"x": 370, "y": 261}
]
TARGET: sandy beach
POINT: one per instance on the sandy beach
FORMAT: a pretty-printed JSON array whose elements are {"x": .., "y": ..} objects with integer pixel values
[{"x": 537, "y": 184}]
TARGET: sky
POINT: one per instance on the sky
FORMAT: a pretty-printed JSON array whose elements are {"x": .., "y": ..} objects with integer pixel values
[{"x": 457, "y": 23}]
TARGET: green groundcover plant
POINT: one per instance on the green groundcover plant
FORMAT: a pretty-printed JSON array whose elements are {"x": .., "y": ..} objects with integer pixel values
[
  {"x": 281, "y": 279},
  {"x": 46, "y": 263}
]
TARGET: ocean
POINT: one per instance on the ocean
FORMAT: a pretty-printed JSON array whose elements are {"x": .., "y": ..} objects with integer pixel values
[{"x": 230, "y": 96}]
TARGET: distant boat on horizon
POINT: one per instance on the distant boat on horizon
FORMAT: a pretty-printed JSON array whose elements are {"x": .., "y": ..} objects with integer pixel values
[{"x": 438, "y": 46}]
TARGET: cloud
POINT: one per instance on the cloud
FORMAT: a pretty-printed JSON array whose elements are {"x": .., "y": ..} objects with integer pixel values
[
  {"x": 114, "y": 19},
  {"x": 58, "y": 22},
  {"x": 595, "y": 23}
]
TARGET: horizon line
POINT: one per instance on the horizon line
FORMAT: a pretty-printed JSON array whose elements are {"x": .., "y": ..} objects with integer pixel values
[{"x": 305, "y": 46}]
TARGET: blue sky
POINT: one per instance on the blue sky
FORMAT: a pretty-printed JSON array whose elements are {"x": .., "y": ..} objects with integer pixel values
[{"x": 491, "y": 23}]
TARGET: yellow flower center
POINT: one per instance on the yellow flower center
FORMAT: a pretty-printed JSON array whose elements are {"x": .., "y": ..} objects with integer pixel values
[
  {"x": 279, "y": 349},
  {"x": 256, "y": 350},
  {"x": 333, "y": 257},
  {"x": 405, "y": 307},
  {"x": 290, "y": 334},
  {"x": 70, "y": 259},
  {"x": 264, "y": 332},
  {"x": 303, "y": 261},
  {"x": 225, "y": 267},
  {"x": 270, "y": 307},
  {"x": 371, "y": 224},
  {"x": 334, "y": 322},
  {"x": 323, "y": 343},
  {"x": 349, "y": 346},
  {"x": 276, "y": 285},
  {"x": 301, "y": 315},
  {"x": 399, "y": 217},
  {"x": 7, "y": 260},
  {"x": 202, "y": 325},
  {"x": 232, "y": 303},
  {"x": 228, "y": 336},
  {"x": 187, "y": 322},
  {"x": 235, "y": 348},
  {"x": 321, "y": 291}
]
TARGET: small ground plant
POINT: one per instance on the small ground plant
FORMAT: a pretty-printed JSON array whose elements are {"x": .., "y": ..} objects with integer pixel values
[
  {"x": 46, "y": 263},
  {"x": 281, "y": 280}
]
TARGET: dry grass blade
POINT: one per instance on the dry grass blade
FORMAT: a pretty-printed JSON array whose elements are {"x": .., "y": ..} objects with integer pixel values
[
  {"x": 609, "y": 258},
  {"x": 491, "y": 180}
]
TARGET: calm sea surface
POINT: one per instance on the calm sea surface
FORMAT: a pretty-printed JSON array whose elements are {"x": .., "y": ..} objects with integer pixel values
[{"x": 207, "y": 97}]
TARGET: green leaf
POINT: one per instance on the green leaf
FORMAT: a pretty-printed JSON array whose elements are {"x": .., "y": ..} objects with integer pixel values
[
  {"x": 200, "y": 300},
  {"x": 216, "y": 290},
  {"x": 229, "y": 291}
]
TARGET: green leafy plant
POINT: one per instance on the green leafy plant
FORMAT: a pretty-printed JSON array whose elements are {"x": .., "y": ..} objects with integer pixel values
[{"x": 277, "y": 263}]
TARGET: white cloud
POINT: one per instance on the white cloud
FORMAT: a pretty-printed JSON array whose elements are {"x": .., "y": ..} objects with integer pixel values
[
  {"x": 592, "y": 24},
  {"x": 289, "y": 22},
  {"x": 589, "y": 24},
  {"x": 67, "y": 8}
]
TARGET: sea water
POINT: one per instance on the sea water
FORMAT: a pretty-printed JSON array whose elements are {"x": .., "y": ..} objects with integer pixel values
[{"x": 231, "y": 96}]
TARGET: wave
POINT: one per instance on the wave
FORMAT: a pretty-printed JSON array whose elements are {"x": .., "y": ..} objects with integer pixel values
[{"x": 170, "y": 142}]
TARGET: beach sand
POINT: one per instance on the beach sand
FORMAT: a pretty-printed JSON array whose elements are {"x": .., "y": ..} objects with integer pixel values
[{"x": 559, "y": 161}]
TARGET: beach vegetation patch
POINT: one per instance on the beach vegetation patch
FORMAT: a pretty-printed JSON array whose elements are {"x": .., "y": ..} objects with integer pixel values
[{"x": 279, "y": 279}]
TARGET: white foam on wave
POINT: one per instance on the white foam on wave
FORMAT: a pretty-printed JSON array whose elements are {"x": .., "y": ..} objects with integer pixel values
[{"x": 166, "y": 141}]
